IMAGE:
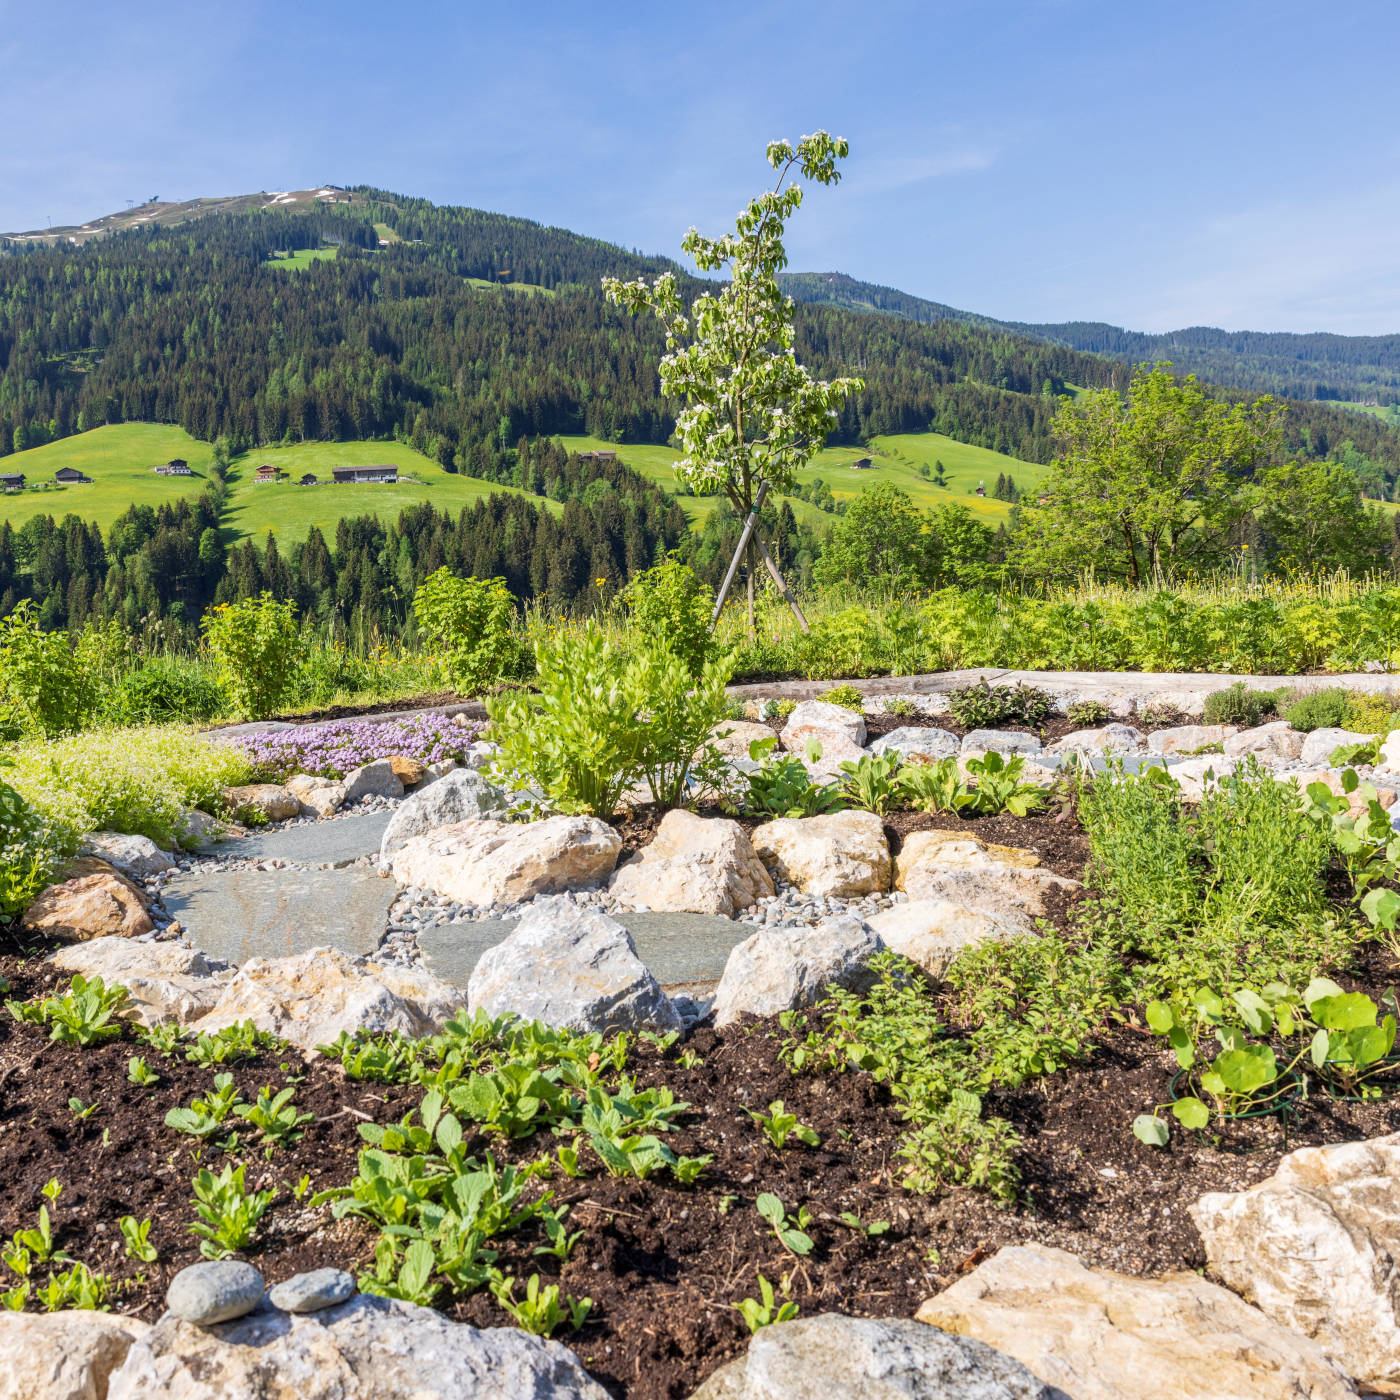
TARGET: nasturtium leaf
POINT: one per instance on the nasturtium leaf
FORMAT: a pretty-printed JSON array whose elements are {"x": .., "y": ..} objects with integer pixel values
[
  {"x": 1382, "y": 907},
  {"x": 1253, "y": 1011},
  {"x": 1348, "y": 1012},
  {"x": 1321, "y": 1048},
  {"x": 1160, "y": 1017},
  {"x": 1148, "y": 1128},
  {"x": 1245, "y": 1071},
  {"x": 1208, "y": 1003},
  {"x": 1370, "y": 1044},
  {"x": 1318, "y": 988},
  {"x": 1191, "y": 1113},
  {"x": 1183, "y": 1046}
]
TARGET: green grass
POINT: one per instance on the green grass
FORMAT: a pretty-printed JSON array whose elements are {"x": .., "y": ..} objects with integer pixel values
[
  {"x": 290, "y": 510},
  {"x": 387, "y": 234},
  {"x": 527, "y": 288},
  {"x": 1387, "y": 413},
  {"x": 302, "y": 257},
  {"x": 119, "y": 459}
]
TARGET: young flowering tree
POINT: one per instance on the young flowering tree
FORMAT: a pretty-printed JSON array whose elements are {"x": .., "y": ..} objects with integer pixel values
[{"x": 753, "y": 414}]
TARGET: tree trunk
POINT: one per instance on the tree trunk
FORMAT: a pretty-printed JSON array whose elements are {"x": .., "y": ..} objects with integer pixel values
[{"x": 752, "y": 568}]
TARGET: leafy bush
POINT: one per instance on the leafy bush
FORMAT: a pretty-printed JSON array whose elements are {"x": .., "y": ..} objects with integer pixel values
[
  {"x": 872, "y": 781},
  {"x": 256, "y": 647},
  {"x": 847, "y": 696},
  {"x": 469, "y": 619},
  {"x": 999, "y": 786},
  {"x": 44, "y": 687},
  {"x": 1373, "y": 714},
  {"x": 936, "y": 787},
  {"x": 1087, "y": 712},
  {"x": 132, "y": 780},
  {"x": 1322, "y": 709},
  {"x": 671, "y": 604},
  {"x": 1238, "y": 705},
  {"x": 782, "y": 787},
  {"x": 161, "y": 691},
  {"x": 31, "y": 851},
  {"x": 603, "y": 718},
  {"x": 984, "y": 706}
]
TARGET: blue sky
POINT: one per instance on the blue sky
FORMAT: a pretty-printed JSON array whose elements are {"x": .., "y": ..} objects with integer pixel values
[{"x": 1227, "y": 163}]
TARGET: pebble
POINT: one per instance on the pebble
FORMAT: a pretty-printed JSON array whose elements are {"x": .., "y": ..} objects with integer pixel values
[
  {"x": 310, "y": 1292},
  {"x": 213, "y": 1292}
]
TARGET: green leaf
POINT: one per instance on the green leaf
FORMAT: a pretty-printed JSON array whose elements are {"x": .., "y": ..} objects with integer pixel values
[
  {"x": 1382, "y": 907},
  {"x": 1318, "y": 988},
  {"x": 1183, "y": 1046},
  {"x": 1160, "y": 1017},
  {"x": 1148, "y": 1128},
  {"x": 770, "y": 1208},
  {"x": 1191, "y": 1113},
  {"x": 1254, "y": 1011},
  {"x": 1321, "y": 1047},
  {"x": 1349, "y": 1012},
  {"x": 1248, "y": 1070}
]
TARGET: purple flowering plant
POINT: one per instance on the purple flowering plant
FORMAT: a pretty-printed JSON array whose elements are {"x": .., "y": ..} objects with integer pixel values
[{"x": 336, "y": 747}]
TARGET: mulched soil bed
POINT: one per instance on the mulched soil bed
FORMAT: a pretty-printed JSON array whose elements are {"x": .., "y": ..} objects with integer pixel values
[{"x": 662, "y": 1263}]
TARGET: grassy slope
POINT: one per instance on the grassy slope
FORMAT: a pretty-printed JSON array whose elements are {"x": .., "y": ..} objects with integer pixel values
[
  {"x": 300, "y": 258},
  {"x": 119, "y": 459}
]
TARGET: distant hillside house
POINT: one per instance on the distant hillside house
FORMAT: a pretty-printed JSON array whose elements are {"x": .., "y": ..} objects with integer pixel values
[
  {"x": 265, "y": 472},
  {"x": 862, "y": 464},
  {"x": 347, "y": 475},
  {"x": 597, "y": 456},
  {"x": 309, "y": 479},
  {"x": 11, "y": 481},
  {"x": 176, "y": 466},
  {"x": 71, "y": 476}
]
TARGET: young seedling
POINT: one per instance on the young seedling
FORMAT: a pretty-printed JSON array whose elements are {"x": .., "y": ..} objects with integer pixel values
[
  {"x": 228, "y": 1215},
  {"x": 136, "y": 1233},
  {"x": 139, "y": 1072},
  {"x": 540, "y": 1310},
  {"x": 851, "y": 1219},
  {"x": 80, "y": 1110},
  {"x": 791, "y": 1230},
  {"x": 778, "y": 1125},
  {"x": 275, "y": 1117},
  {"x": 758, "y": 1313}
]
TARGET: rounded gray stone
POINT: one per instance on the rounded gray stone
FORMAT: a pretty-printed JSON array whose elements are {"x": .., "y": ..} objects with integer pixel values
[
  {"x": 214, "y": 1292},
  {"x": 312, "y": 1291}
]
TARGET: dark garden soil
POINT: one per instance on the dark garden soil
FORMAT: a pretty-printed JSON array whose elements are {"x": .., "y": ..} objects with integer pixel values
[{"x": 662, "y": 1263}]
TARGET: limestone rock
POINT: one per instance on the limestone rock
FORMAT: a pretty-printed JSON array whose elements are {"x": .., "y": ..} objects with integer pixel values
[
  {"x": 199, "y": 831},
  {"x": 312, "y": 1291},
  {"x": 1278, "y": 740},
  {"x": 932, "y": 932},
  {"x": 435, "y": 771},
  {"x": 132, "y": 856},
  {"x": 831, "y": 1357},
  {"x": 216, "y": 1290},
  {"x": 1001, "y": 891},
  {"x": 1003, "y": 741},
  {"x": 1316, "y": 1247},
  {"x": 843, "y": 854},
  {"x": 459, "y": 796},
  {"x": 319, "y": 797},
  {"x": 376, "y": 779},
  {"x": 780, "y": 969},
  {"x": 97, "y": 904},
  {"x": 1099, "y": 1335},
  {"x": 1331, "y": 779},
  {"x": 1187, "y": 738},
  {"x": 822, "y": 758},
  {"x": 273, "y": 801},
  {"x": 1318, "y": 746},
  {"x": 409, "y": 771},
  {"x": 366, "y": 1349},
  {"x": 1390, "y": 752},
  {"x": 918, "y": 743},
  {"x": 165, "y": 981},
  {"x": 1197, "y": 776},
  {"x": 572, "y": 968},
  {"x": 1114, "y": 738},
  {"x": 951, "y": 850},
  {"x": 732, "y": 737},
  {"x": 485, "y": 862},
  {"x": 63, "y": 1355},
  {"x": 694, "y": 865},
  {"x": 822, "y": 721},
  {"x": 309, "y": 999}
]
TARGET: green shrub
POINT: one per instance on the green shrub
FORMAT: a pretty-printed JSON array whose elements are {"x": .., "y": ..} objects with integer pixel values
[
  {"x": 161, "y": 691},
  {"x": 847, "y": 696},
  {"x": 1372, "y": 714},
  {"x": 671, "y": 604},
  {"x": 31, "y": 850},
  {"x": 44, "y": 688},
  {"x": 984, "y": 706},
  {"x": 1086, "y": 712},
  {"x": 469, "y": 619},
  {"x": 256, "y": 647},
  {"x": 1322, "y": 709},
  {"x": 603, "y": 718},
  {"x": 900, "y": 708},
  {"x": 1237, "y": 705}
]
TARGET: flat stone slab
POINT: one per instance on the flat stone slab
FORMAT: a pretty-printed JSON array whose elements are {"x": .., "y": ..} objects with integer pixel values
[
  {"x": 234, "y": 915},
  {"x": 686, "y": 953},
  {"x": 335, "y": 842}
]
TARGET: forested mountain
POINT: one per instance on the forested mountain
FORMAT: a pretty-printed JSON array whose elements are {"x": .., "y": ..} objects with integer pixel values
[{"x": 1317, "y": 366}]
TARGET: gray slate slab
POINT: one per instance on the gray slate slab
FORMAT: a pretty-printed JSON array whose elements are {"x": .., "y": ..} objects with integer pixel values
[
  {"x": 686, "y": 953},
  {"x": 234, "y": 915},
  {"x": 335, "y": 842}
]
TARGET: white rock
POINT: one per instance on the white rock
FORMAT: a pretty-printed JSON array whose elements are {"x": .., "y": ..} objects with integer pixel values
[
  {"x": 1318, "y": 746},
  {"x": 310, "y": 998},
  {"x": 822, "y": 721},
  {"x": 1187, "y": 738},
  {"x": 198, "y": 829},
  {"x": 694, "y": 865},
  {"x": 271, "y": 800},
  {"x": 780, "y": 969},
  {"x": 376, "y": 779},
  {"x": 732, "y": 737},
  {"x": 1316, "y": 1247},
  {"x": 459, "y": 796},
  {"x": 1002, "y": 891},
  {"x": 918, "y": 744},
  {"x": 1197, "y": 776},
  {"x": 63, "y": 1355},
  {"x": 1004, "y": 741},
  {"x": 165, "y": 981},
  {"x": 484, "y": 862},
  {"x": 1116, "y": 738},
  {"x": 1390, "y": 753},
  {"x": 844, "y": 854},
  {"x": 135, "y": 856},
  {"x": 435, "y": 771},
  {"x": 832, "y": 1357},
  {"x": 1098, "y": 1335},
  {"x": 366, "y": 1349},
  {"x": 952, "y": 850},
  {"x": 932, "y": 932},
  {"x": 572, "y": 968},
  {"x": 1278, "y": 740},
  {"x": 319, "y": 797}
]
